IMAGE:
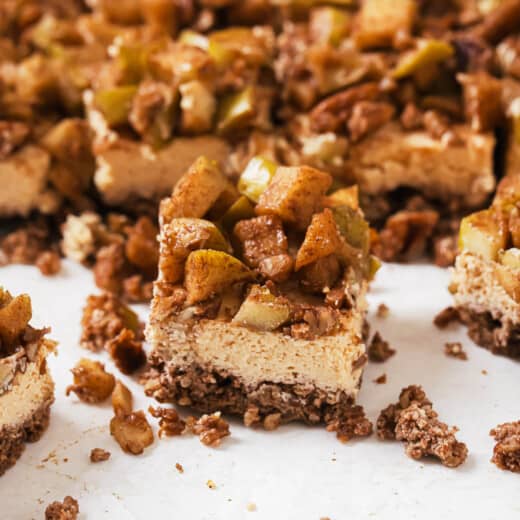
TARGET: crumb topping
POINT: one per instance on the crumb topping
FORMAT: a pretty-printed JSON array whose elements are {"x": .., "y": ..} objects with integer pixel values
[
  {"x": 413, "y": 421},
  {"x": 92, "y": 383},
  {"x": 382, "y": 310},
  {"x": 455, "y": 350},
  {"x": 66, "y": 510},
  {"x": 379, "y": 350},
  {"x": 506, "y": 453},
  {"x": 445, "y": 317},
  {"x": 211, "y": 429},
  {"x": 127, "y": 353},
  {"x": 99, "y": 455},
  {"x": 351, "y": 422}
]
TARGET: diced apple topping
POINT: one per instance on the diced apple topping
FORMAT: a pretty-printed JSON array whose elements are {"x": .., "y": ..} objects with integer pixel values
[
  {"x": 483, "y": 233},
  {"x": 344, "y": 197},
  {"x": 380, "y": 20},
  {"x": 15, "y": 314},
  {"x": 510, "y": 258},
  {"x": 196, "y": 192},
  {"x": 262, "y": 310},
  {"x": 181, "y": 237},
  {"x": 295, "y": 194},
  {"x": 209, "y": 272},
  {"x": 256, "y": 177}
]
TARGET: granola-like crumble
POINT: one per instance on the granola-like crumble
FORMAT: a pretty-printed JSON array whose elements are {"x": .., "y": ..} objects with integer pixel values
[
  {"x": 379, "y": 350},
  {"x": 455, "y": 350},
  {"x": 211, "y": 429},
  {"x": 506, "y": 453},
  {"x": 445, "y": 317},
  {"x": 413, "y": 421},
  {"x": 99, "y": 455},
  {"x": 105, "y": 316},
  {"x": 66, "y": 510},
  {"x": 170, "y": 422},
  {"x": 126, "y": 351},
  {"x": 351, "y": 423}
]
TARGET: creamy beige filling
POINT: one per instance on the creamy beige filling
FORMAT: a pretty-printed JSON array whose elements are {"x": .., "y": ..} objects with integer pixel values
[
  {"x": 28, "y": 392},
  {"x": 129, "y": 170},
  {"x": 327, "y": 362},
  {"x": 391, "y": 158},
  {"x": 478, "y": 287}
]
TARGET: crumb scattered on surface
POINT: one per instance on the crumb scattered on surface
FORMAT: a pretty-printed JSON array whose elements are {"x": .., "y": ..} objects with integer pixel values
[
  {"x": 382, "y": 310},
  {"x": 211, "y": 429},
  {"x": 92, "y": 383},
  {"x": 170, "y": 422},
  {"x": 484, "y": 372},
  {"x": 413, "y": 420},
  {"x": 352, "y": 423},
  {"x": 445, "y": 317},
  {"x": 132, "y": 432},
  {"x": 211, "y": 484},
  {"x": 179, "y": 467},
  {"x": 381, "y": 380},
  {"x": 379, "y": 350},
  {"x": 506, "y": 453},
  {"x": 49, "y": 263},
  {"x": 99, "y": 455},
  {"x": 66, "y": 510},
  {"x": 251, "y": 507},
  {"x": 126, "y": 351},
  {"x": 455, "y": 350},
  {"x": 272, "y": 421},
  {"x": 104, "y": 317}
]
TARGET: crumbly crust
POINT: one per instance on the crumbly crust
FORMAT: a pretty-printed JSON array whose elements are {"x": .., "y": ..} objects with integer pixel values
[
  {"x": 500, "y": 336},
  {"x": 207, "y": 390},
  {"x": 13, "y": 437}
]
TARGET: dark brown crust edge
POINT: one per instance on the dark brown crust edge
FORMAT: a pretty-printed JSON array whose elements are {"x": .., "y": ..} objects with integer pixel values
[
  {"x": 14, "y": 437},
  {"x": 499, "y": 336},
  {"x": 208, "y": 391}
]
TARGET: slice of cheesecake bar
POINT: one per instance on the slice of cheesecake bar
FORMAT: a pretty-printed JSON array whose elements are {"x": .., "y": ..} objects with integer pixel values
[
  {"x": 486, "y": 277},
  {"x": 259, "y": 308},
  {"x": 26, "y": 387}
]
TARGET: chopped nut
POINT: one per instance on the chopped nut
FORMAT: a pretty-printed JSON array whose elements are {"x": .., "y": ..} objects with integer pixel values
[
  {"x": 455, "y": 350},
  {"x": 132, "y": 432},
  {"x": 99, "y": 455},
  {"x": 122, "y": 399},
  {"x": 66, "y": 510},
  {"x": 92, "y": 384},
  {"x": 127, "y": 353},
  {"x": 413, "y": 421},
  {"x": 382, "y": 310},
  {"x": 506, "y": 453},
  {"x": 379, "y": 350},
  {"x": 350, "y": 424},
  {"x": 170, "y": 423},
  {"x": 49, "y": 263},
  {"x": 211, "y": 429}
]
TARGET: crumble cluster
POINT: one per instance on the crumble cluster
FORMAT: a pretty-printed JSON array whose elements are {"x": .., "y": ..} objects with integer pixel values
[
  {"x": 66, "y": 510},
  {"x": 506, "y": 453},
  {"x": 455, "y": 350},
  {"x": 379, "y": 350},
  {"x": 413, "y": 421}
]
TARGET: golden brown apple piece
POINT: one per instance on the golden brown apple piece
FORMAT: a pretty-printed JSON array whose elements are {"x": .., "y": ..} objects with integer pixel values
[
  {"x": 483, "y": 233},
  {"x": 209, "y": 272},
  {"x": 15, "y": 314},
  {"x": 196, "y": 192},
  {"x": 92, "y": 384},
  {"x": 262, "y": 310},
  {"x": 182, "y": 236},
  {"x": 295, "y": 194}
]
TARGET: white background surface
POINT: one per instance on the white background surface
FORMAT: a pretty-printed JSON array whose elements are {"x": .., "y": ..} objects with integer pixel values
[{"x": 297, "y": 472}]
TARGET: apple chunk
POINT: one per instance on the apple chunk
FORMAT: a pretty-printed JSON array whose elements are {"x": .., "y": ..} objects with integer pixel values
[
  {"x": 182, "y": 236},
  {"x": 262, "y": 310},
  {"x": 483, "y": 233},
  {"x": 209, "y": 272}
]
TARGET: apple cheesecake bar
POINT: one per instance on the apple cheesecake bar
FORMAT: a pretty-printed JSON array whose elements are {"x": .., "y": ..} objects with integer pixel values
[
  {"x": 486, "y": 277},
  {"x": 259, "y": 307},
  {"x": 26, "y": 387}
]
